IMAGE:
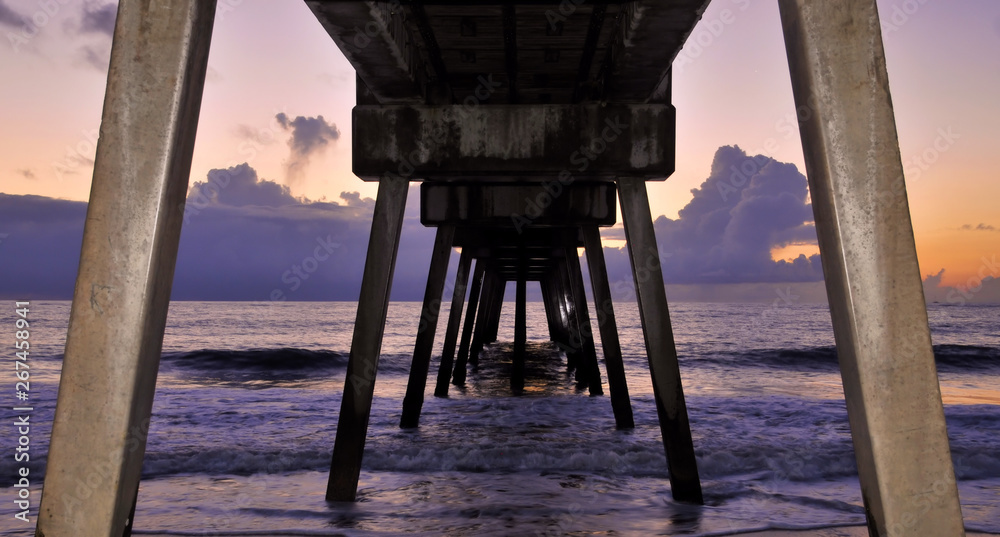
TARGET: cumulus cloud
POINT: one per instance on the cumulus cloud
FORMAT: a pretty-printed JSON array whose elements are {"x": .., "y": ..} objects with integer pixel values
[
  {"x": 310, "y": 136},
  {"x": 248, "y": 240},
  {"x": 99, "y": 19},
  {"x": 9, "y": 17},
  {"x": 983, "y": 288},
  {"x": 239, "y": 186},
  {"x": 747, "y": 207}
]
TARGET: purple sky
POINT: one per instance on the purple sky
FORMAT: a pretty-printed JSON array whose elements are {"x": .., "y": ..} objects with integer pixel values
[{"x": 279, "y": 98}]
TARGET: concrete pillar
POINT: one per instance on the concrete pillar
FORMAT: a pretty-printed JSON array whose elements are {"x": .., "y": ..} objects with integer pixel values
[
  {"x": 488, "y": 296},
  {"x": 573, "y": 343},
  {"x": 454, "y": 319},
  {"x": 159, "y": 57},
  {"x": 609, "y": 329},
  {"x": 458, "y": 376},
  {"x": 496, "y": 309},
  {"x": 591, "y": 372},
  {"x": 554, "y": 311},
  {"x": 520, "y": 337},
  {"x": 663, "y": 366},
  {"x": 852, "y": 159},
  {"x": 413, "y": 401},
  {"x": 355, "y": 408}
]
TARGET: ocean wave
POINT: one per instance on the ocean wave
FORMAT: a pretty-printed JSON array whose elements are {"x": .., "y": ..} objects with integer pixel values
[{"x": 949, "y": 358}]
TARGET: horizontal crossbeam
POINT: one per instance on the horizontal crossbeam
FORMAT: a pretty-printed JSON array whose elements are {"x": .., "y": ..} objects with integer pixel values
[{"x": 466, "y": 141}]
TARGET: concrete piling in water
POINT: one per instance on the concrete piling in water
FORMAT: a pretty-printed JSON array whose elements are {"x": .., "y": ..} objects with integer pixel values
[
  {"x": 853, "y": 163},
  {"x": 520, "y": 337},
  {"x": 458, "y": 376},
  {"x": 454, "y": 318},
  {"x": 159, "y": 58},
  {"x": 362, "y": 366},
  {"x": 427, "y": 327},
  {"x": 608, "y": 328},
  {"x": 664, "y": 368}
]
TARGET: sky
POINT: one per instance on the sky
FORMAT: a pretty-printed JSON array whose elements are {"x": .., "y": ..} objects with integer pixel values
[{"x": 272, "y": 164}]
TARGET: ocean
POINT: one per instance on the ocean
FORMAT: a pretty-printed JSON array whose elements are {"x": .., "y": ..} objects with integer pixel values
[{"x": 248, "y": 394}]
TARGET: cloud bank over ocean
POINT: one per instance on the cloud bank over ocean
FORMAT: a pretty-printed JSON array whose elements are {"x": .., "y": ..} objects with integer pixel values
[{"x": 247, "y": 238}]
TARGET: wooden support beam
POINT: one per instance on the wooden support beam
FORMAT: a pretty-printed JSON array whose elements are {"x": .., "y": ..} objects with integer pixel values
[
  {"x": 362, "y": 366},
  {"x": 414, "y": 399},
  {"x": 852, "y": 158},
  {"x": 663, "y": 365},
  {"x": 159, "y": 57}
]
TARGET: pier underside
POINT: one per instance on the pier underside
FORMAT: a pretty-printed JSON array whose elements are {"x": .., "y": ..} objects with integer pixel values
[{"x": 529, "y": 123}]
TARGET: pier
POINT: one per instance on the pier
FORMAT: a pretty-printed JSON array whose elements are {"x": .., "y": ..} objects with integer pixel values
[{"x": 528, "y": 123}]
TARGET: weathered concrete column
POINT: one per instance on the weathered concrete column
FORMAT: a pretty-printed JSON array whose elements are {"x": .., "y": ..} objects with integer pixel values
[
  {"x": 852, "y": 159},
  {"x": 454, "y": 319},
  {"x": 413, "y": 401},
  {"x": 520, "y": 337},
  {"x": 551, "y": 318},
  {"x": 663, "y": 366},
  {"x": 496, "y": 310},
  {"x": 356, "y": 406},
  {"x": 159, "y": 57},
  {"x": 488, "y": 296},
  {"x": 591, "y": 372},
  {"x": 613, "y": 362},
  {"x": 572, "y": 344},
  {"x": 458, "y": 376}
]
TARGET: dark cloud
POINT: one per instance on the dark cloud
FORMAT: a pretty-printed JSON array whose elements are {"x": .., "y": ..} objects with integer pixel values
[
  {"x": 27, "y": 174},
  {"x": 10, "y": 17},
  {"x": 354, "y": 199},
  {"x": 43, "y": 235},
  {"x": 251, "y": 240},
  {"x": 980, "y": 227},
  {"x": 99, "y": 19},
  {"x": 96, "y": 56},
  {"x": 247, "y": 238},
  {"x": 747, "y": 207},
  {"x": 310, "y": 136}
]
